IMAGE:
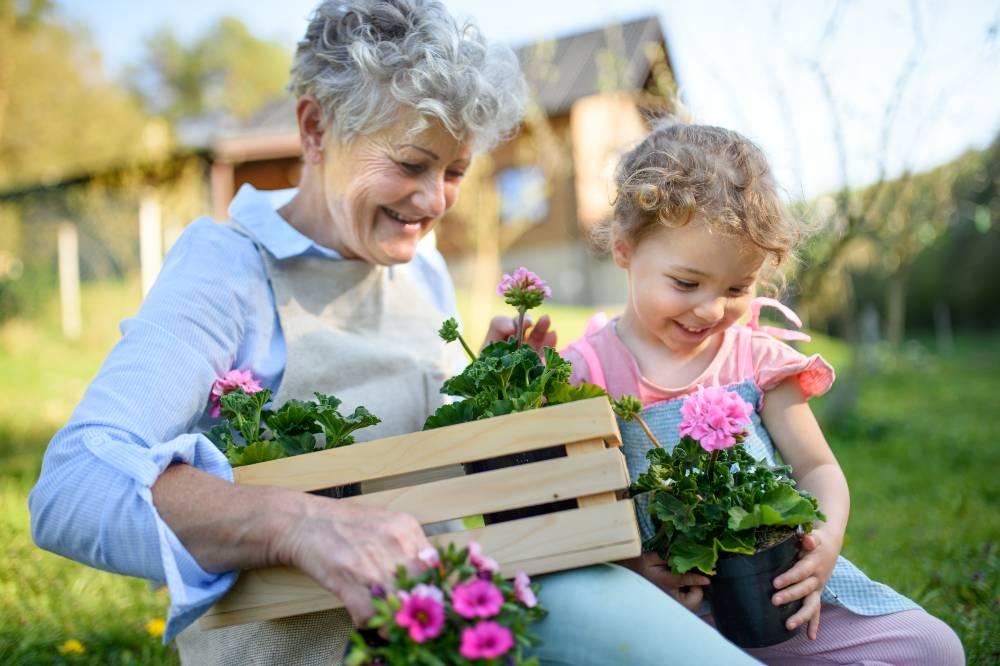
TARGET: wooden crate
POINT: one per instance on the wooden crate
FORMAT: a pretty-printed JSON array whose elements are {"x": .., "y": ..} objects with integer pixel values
[{"x": 602, "y": 528}]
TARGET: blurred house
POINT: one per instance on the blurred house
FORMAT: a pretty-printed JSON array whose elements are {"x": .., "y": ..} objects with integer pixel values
[{"x": 590, "y": 93}]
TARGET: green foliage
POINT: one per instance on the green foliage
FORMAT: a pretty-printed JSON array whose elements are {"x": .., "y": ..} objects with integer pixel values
[
  {"x": 508, "y": 378},
  {"x": 227, "y": 70},
  {"x": 455, "y": 568},
  {"x": 59, "y": 115},
  {"x": 291, "y": 430},
  {"x": 699, "y": 514}
]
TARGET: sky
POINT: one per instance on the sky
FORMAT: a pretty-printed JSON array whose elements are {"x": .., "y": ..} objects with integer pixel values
[{"x": 834, "y": 92}]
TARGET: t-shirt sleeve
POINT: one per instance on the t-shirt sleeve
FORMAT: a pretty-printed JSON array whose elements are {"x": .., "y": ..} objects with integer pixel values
[{"x": 774, "y": 362}]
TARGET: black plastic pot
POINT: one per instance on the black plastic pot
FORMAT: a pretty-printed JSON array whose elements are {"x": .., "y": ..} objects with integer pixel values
[
  {"x": 741, "y": 594},
  {"x": 520, "y": 459}
]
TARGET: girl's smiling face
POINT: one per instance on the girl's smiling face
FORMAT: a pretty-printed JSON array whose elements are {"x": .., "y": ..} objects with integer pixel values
[
  {"x": 386, "y": 191},
  {"x": 687, "y": 284}
]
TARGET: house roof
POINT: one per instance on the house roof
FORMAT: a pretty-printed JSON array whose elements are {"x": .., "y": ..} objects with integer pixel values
[{"x": 561, "y": 71}]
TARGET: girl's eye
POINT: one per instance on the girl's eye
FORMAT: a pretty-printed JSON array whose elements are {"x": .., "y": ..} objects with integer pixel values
[
  {"x": 739, "y": 291},
  {"x": 684, "y": 285}
]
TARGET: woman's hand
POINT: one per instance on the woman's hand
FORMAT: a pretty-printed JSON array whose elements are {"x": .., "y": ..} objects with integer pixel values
[
  {"x": 685, "y": 588},
  {"x": 538, "y": 337},
  {"x": 807, "y": 579},
  {"x": 350, "y": 549}
]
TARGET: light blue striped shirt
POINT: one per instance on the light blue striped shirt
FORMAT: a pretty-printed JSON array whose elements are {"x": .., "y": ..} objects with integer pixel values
[{"x": 210, "y": 310}]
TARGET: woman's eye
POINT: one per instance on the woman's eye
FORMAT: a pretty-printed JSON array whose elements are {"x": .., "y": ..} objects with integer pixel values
[
  {"x": 412, "y": 167},
  {"x": 455, "y": 175},
  {"x": 685, "y": 285}
]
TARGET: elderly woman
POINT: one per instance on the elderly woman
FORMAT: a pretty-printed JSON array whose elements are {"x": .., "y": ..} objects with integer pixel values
[{"x": 333, "y": 292}]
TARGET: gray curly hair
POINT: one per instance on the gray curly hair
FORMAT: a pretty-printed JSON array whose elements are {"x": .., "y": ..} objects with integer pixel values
[{"x": 365, "y": 60}]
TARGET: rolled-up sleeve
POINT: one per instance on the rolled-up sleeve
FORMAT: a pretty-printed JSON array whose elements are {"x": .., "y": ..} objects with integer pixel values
[{"x": 93, "y": 500}]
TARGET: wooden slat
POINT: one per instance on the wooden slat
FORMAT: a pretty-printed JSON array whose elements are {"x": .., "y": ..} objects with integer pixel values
[
  {"x": 584, "y": 448},
  {"x": 466, "y": 442},
  {"x": 540, "y": 544},
  {"x": 511, "y": 488}
]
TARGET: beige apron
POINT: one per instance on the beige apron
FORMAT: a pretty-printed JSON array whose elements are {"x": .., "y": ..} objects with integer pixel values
[{"x": 368, "y": 335}]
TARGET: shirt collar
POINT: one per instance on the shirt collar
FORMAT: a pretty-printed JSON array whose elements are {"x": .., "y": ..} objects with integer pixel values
[{"x": 256, "y": 210}]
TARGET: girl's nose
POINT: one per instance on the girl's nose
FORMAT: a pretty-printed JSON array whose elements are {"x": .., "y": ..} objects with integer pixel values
[{"x": 711, "y": 310}]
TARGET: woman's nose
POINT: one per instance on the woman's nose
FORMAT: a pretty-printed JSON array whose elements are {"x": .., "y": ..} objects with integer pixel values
[{"x": 430, "y": 198}]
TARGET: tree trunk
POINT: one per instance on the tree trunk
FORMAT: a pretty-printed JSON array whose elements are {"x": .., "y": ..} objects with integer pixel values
[{"x": 896, "y": 305}]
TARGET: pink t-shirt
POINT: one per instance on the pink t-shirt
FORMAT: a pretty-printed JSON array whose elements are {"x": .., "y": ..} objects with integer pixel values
[{"x": 744, "y": 354}]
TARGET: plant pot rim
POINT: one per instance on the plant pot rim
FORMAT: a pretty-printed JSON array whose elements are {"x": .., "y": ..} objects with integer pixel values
[{"x": 735, "y": 565}]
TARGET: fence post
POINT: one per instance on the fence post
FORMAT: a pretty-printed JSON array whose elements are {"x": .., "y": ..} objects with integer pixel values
[{"x": 69, "y": 280}]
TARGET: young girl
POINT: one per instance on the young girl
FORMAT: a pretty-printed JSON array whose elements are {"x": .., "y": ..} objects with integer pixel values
[{"x": 698, "y": 224}]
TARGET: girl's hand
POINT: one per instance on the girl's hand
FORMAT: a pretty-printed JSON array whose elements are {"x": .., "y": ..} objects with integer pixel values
[
  {"x": 685, "y": 588},
  {"x": 350, "y": 550},
  {"x": 538, "y": 337},
  {"x": 807, "y": 579}
]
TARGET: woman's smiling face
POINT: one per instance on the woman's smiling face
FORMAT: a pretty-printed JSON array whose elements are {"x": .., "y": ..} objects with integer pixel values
[{"x": 386, "y": 191}]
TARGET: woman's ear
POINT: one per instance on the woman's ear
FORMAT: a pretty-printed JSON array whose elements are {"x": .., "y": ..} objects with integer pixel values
[
  {"x": 311, "y": 128},
  {"x": 621, "y": 252}
]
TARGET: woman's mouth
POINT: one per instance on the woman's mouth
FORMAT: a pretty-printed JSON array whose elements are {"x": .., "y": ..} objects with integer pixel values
[{"x": 403, "y": 219}]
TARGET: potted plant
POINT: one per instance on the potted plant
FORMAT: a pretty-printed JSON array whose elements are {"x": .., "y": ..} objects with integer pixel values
[
  {"x": 506, "y": 377},
  {"x": 717, "y": 510}
]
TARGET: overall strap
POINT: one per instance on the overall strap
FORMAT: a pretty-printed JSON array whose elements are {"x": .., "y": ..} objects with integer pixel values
[{"x": 780, "y": 333}]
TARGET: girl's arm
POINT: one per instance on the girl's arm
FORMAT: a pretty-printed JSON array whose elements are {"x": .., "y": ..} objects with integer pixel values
[{"x": 798, "y": 437}]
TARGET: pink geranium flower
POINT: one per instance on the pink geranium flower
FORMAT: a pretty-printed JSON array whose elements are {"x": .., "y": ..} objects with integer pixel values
[
  {"x": 477, "y": 598},
  {"x": 523, "y": 280},
  {"x": 229, "y": 382},
  {"x": 422, "y": 612},
  {"x": 523, "y": 591},
  {"x": 482, "y": 563},
  {"x": 486, "y": 640},
  {"x": 715, "y": 418}
]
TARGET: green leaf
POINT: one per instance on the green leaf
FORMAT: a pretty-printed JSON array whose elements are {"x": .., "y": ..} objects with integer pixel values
[
  {"x": 686, "y": 554},
  {"x": 245, "y": 411},
  {"x": 295, "y": 445},
  {"x": 221, "y": 435},
  {"x": 293, "y": 418},
  {"x": 336, "y": 426},
  {"x": 782, "y": 505},
  {"x": 563, "y": 393},
  {"x": 255, "y": 453},
  {"x": 743, "y": 544},
  {"x": 450, "y": 414}
]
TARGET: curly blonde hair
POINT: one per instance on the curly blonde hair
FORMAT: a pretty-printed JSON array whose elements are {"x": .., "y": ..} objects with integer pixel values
[{"x": 681, "y": 172}]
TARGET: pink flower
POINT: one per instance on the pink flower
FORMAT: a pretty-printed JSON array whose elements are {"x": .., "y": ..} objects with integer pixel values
[
  {"x": 229, "y": 382},
  {"x": 524, "y": 280},
  {"x": 422, "y": 612},
  {"x": 482, "y": 563},
  {"x": 523, "y": 591},
  {"x": 486, "y": 640},
  {"x": 715, "y": 418},
  {"x": 477, "y": 598},
  {"x": 429, "y": 557}
]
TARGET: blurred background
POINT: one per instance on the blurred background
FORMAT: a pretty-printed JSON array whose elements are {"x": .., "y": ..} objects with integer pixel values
[{"x": 120, "y": 123}]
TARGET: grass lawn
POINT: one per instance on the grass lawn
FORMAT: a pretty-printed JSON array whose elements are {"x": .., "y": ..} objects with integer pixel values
[{"x": 920, "y": 454}]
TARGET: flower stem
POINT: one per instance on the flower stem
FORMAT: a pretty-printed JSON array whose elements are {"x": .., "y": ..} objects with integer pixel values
[
  {"x": 711, "y": 464},
  {"x": 472, "y": 357},
  {"x": 649, "y": 433},
  {"x": 520, "y": 324}
]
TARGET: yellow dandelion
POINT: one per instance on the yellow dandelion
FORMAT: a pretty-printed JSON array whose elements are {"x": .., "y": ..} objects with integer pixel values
[
  {"x": 156, "y": 626},
  {"x": 72, "y": 646}
]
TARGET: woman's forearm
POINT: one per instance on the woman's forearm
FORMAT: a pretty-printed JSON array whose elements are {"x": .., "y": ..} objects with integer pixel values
[{"x": 223, "y": 525}]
